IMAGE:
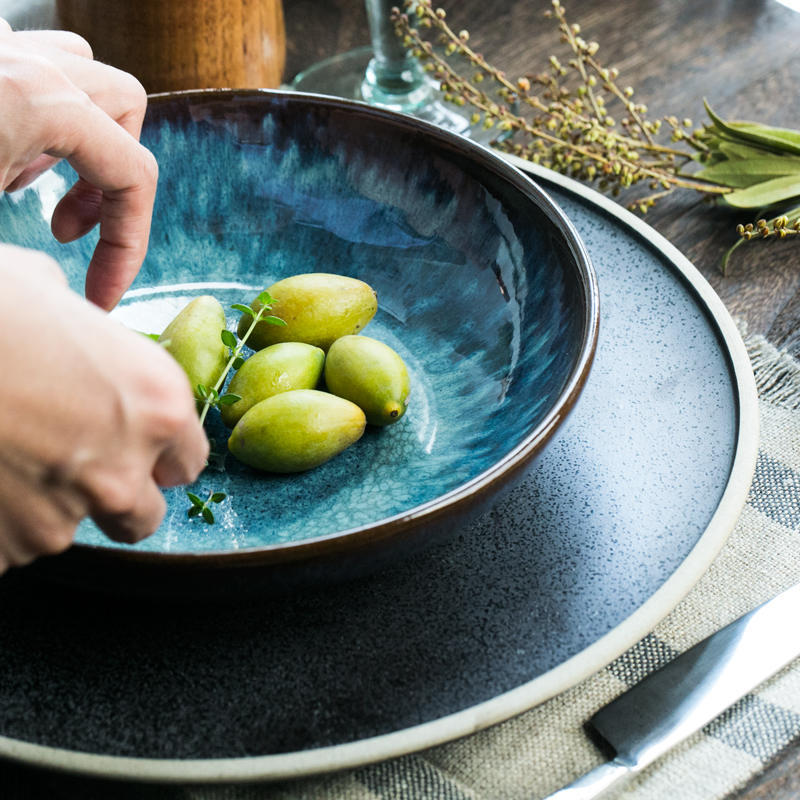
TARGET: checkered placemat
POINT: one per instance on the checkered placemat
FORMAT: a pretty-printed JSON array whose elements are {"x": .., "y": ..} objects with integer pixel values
[{"x": 541, "y": 750}]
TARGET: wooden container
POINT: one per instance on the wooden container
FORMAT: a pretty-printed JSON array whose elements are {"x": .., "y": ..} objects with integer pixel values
[{"x": 184, "y": 44}]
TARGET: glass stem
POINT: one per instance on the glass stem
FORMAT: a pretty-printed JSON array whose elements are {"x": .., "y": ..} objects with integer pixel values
[{"x": 394, "y": 78}]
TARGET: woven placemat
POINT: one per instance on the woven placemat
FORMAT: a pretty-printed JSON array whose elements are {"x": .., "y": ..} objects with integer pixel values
[{"x": 539, "y": 751}]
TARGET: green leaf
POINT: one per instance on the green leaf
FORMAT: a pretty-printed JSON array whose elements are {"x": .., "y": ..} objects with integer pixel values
[
  {"x": 265, "y": 298},
  {"x": 208, "y": 515},
  {"x": 735, "y": 150},
  {"x": 745, "y": 172},
  {"x": 789, "y": 136},
  {"x": 218, "y": 497},
  {"x": 201, "y": 390},
  {"x": 194, "y": 498},
  {"x": 766, "y": 193},
  {"x": 243, "y": 309},
  {"x": 154, "y": 336},
  {"x": 229, "y": 399},
  {"x": 779, "y": 139},
  {"x": 273, "y": 320},
  {"x": 194, "y": 511},
  {"x": 228, "y": 338},
  {"x": 237, "y": 362}
]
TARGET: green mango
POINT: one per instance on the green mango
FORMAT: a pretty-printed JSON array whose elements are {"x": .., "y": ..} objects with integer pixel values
[
  {"x": 278, "y": 368},
  {"x": 371, "y": 375},
  {"x": 317, "y": 307},
  {"x": 295, "y": 431},
  {"x": 193, "y": 339}
]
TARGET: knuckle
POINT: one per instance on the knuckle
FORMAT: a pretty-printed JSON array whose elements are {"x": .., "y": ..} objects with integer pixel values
[{"x": 76, "y": 44}]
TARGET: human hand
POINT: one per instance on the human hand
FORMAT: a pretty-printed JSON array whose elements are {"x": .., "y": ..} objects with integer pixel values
[
  {"x": 59, "y": 103},
  {"x": 93, "y": 417}
]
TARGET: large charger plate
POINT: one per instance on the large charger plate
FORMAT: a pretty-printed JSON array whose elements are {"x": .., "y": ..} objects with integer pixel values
[{"x": 620, "y": 518}]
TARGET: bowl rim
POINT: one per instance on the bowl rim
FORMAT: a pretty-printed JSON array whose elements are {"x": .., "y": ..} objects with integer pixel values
[{"x": 465, "y": 494}]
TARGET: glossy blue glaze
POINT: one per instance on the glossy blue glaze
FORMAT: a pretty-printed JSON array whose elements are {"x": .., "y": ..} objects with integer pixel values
[{"x": 478, "y": 291}]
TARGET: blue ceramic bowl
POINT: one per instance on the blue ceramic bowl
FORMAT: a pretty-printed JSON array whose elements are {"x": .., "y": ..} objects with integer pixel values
[{"x": 483, "y": 286}]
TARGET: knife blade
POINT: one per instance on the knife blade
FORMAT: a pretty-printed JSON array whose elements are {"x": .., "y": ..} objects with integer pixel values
[{"x": 681, "y": 697}]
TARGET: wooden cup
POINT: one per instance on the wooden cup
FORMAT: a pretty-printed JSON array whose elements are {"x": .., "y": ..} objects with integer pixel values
[{"x": 184, "y": 44}]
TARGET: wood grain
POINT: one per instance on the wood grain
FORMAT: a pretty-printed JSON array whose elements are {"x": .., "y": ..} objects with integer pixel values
[{"x": 184, "y": 44}]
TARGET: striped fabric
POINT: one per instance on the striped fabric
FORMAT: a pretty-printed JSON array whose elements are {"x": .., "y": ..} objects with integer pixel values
[{"x": 539, "y": 751}]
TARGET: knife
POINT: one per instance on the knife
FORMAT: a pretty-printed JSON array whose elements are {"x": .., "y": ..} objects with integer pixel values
[{"x": 678, "y": 699}]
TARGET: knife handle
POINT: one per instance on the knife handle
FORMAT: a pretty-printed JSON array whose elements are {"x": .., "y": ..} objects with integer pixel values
[{"x": 595, "y": 783}]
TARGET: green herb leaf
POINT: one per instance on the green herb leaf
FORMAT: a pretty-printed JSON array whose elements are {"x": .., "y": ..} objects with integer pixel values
[
  {"x": 765, "y": 193},
  {"x": 194, "y": 511},
  {"x": 778, "y": 139},
  {"x": 734, "y": 150},
  {"x": 194, "y": 498},
  {"x": 201, "y": 390},
  {"x": 244, "y": 309},
  {"x": 740, "y": 173},
  {"x": 237, "y": 362},
  {"x": 154, "y": 336},
  {"x": 228, "y": 338},
  {"x": 208, "y": 515},
  {"x": 218, "y": 497},
  {"x": 265, "y": 298},
  {"x": 273, "y": 320},
  {"x": 229, "y": 399}
]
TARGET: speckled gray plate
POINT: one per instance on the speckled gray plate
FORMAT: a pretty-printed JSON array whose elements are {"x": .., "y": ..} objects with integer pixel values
[{"x": 622, "y": 516}]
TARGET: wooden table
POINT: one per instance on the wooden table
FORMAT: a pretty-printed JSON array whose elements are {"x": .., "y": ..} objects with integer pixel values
[{"x": 743, "y": 56}]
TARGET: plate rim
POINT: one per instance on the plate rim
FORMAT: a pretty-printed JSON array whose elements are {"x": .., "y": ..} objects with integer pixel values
[{"x": 506, "y": 705}]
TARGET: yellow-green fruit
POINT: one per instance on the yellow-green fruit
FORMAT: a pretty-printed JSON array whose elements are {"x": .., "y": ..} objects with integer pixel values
[
  {"x": 317, "y": 307},
  {"x": 295, "y": 431},
  {"x": 278, "y": 368},
  {"x": 193, "y": 339},
  {"x": 371, "y": 375}
]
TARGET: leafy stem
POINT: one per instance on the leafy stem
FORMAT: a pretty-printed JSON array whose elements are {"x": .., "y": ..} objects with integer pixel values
[
  {"x": 202, "y": 508},
  {"x": 211, "y": 397}
]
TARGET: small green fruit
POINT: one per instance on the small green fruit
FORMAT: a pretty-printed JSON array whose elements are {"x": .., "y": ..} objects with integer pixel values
[
  {"x": 371, "y": 375},
  {"x": 278, "y": 368},
  {"x": 317, "y": 307},
  {"x": 295, "y": 431},
  {"x": 193, "y": 339}
]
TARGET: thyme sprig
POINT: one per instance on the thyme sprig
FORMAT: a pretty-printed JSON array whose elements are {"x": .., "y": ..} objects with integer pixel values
[
  {"x": 578, "y": 119},
  {"x": 565, "y": 127},
  {"x": 211, "y": 396}
]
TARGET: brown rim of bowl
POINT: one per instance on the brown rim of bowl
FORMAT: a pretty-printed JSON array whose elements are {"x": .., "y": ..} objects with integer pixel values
[{"x": 464, "y": 496}]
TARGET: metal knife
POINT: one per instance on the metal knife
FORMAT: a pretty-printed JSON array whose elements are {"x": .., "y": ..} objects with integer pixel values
[{"x": 677, "y": 700}]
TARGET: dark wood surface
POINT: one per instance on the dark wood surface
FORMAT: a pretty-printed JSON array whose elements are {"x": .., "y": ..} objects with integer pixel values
[{"x": 743, "y": 56}]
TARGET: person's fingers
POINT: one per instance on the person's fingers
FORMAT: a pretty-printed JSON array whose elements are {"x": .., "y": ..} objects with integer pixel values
[
  {"x": 31, "y": 172},
  {"x": 183, "y": 459},
  {"x": 109, "y": 158},
  {"x": 124, "y": 233},
  {"x": 139, "y": 520},
  {"x": 77, "y": 212},
  {"x": 47, "y": 269},
  {"x": 118, "y": 93},
  {"x": 67, "y": 41}
]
